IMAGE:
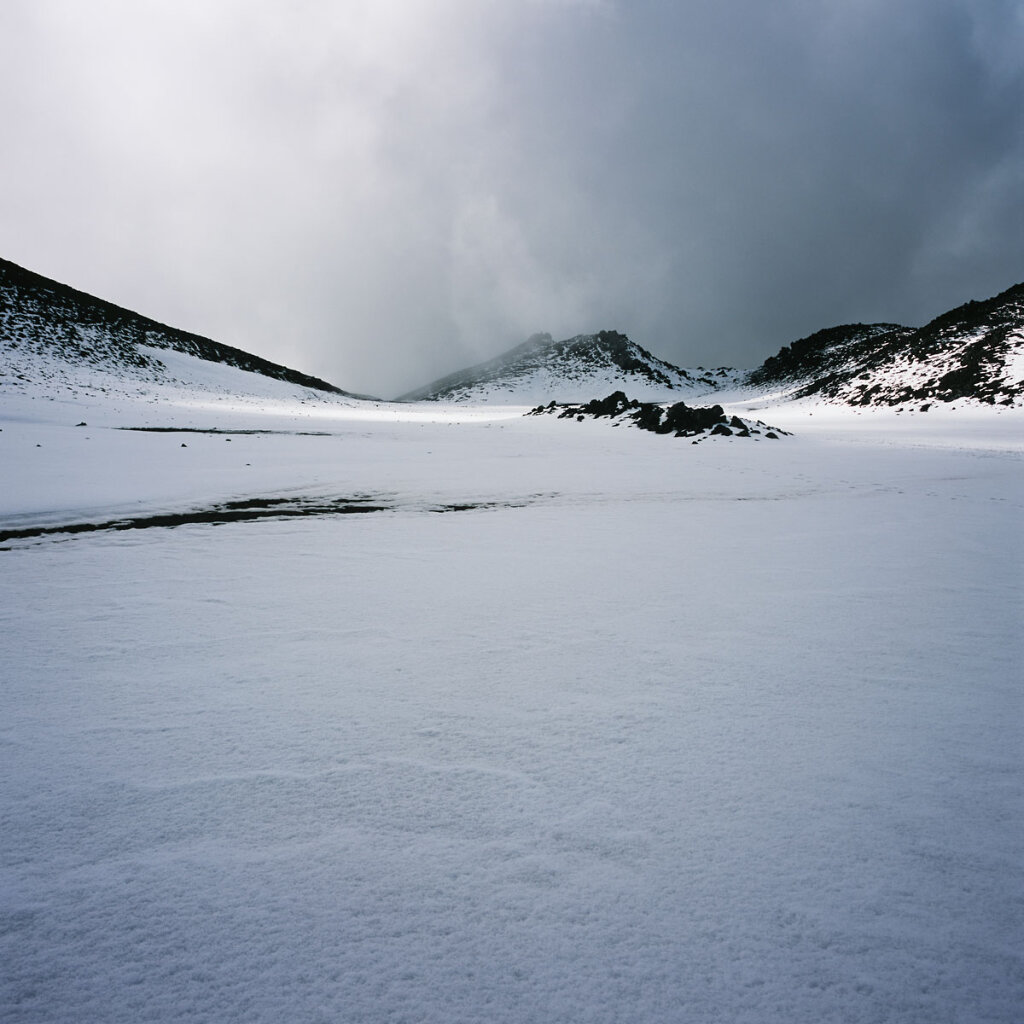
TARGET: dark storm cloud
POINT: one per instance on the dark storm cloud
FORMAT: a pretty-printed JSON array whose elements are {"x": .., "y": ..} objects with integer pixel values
[{"x": 381, "y": 192}]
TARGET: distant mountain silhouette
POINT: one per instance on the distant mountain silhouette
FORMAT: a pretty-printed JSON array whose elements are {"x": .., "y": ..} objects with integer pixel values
[
  {"x": 974, "y": 352},
  {"x": 575, "y": 369}
]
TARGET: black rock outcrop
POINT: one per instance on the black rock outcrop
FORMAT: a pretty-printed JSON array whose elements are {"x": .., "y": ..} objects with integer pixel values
[{"x": 679, "y": 419}]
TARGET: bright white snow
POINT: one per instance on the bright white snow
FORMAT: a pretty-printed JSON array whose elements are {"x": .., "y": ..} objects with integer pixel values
[{"x": 672, "y": 732}]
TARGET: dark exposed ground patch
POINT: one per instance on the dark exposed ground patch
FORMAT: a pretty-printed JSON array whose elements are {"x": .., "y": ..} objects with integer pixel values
[
  {"x": 221, "y": 430},
  {"x": 473, "y": 505},
  {"x": 243, "y": 510}
]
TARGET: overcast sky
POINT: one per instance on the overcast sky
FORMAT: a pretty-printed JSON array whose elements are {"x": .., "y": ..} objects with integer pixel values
[{"x": 383, "y": 191}]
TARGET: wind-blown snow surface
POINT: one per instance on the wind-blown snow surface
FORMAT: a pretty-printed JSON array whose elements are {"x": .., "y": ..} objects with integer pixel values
[{"x": 671, "y": 732}]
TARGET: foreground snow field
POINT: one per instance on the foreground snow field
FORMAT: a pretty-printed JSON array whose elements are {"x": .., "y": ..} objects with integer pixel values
[{"x": 656, "y": 732}]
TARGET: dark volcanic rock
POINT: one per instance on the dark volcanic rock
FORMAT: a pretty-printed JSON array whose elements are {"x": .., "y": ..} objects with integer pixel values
[
  {"x": 679, "y": 419},
  {"x": 648, "y": 417},
  {"x": 682, "y": 418},
  {"x": 615, "y": 403}
]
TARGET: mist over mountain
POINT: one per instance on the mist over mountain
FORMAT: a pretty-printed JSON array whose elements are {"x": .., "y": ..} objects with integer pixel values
[{"x": 575, "y": 369}]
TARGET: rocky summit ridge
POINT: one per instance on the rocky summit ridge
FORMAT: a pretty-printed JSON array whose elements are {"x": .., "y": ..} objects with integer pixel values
[
  {"x": 974, "y": 352},
  {"x": 573, "y": 369}
]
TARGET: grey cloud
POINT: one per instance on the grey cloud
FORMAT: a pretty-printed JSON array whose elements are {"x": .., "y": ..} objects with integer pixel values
[{"x": 381, "y": 192}]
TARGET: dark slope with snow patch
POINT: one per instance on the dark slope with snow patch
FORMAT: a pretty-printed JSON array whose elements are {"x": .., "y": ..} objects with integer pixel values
[
  {"x": 575, "y": 369},
  {"x": 972, "y": 353},
  {"x": 41, "y": 318}
]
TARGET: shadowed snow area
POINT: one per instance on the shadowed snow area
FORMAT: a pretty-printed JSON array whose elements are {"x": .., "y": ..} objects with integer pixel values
[{"x": 665, "y": 732}]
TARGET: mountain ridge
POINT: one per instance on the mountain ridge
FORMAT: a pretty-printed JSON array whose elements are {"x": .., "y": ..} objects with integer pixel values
[
  {"x": 46, "y": 318},
  {"x": 571, "y": 369},
  {"x": 974, "y": 351}
]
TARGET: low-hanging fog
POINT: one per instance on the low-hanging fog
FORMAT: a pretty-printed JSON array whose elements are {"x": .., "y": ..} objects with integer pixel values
[{"x": 382, "y": 192}]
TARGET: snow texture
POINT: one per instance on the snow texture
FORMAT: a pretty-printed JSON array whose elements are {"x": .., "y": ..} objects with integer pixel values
[{"x": 726, "y": 732}]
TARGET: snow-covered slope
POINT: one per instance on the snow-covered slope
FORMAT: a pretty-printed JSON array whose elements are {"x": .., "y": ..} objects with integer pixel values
[
  {"x": 52, "y": 333},
  {"x": 576, "y": 369},
  {"x": 973, "y": 353},
  {"x": 570, "y": 723},
  {"x": 322, "y": 709},
  {"x": 167, "y": 380}
]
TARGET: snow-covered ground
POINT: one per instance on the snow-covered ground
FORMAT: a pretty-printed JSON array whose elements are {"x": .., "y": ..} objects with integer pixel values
[{"x": 658, "y": 732}]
